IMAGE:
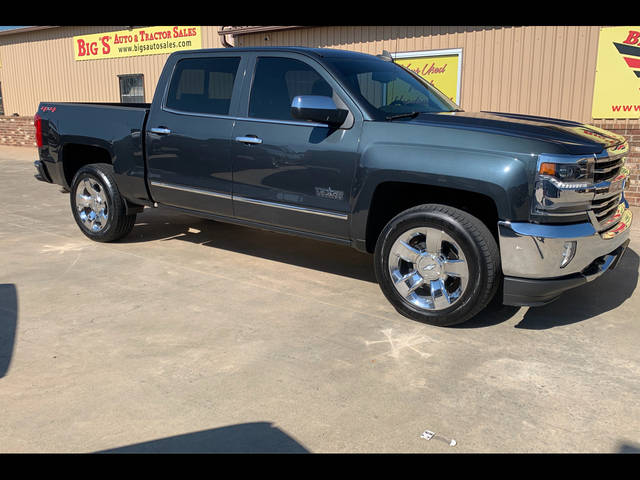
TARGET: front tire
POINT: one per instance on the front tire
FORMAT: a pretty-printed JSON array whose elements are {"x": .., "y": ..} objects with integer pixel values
[
  {"x": 97, "y": 206},
  {"x": 437, "y": 264}
]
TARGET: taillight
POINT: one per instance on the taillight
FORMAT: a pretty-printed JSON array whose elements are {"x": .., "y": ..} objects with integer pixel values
[{"x": 37, "y": 121}]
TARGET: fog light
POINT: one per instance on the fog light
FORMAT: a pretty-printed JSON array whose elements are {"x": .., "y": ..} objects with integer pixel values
[{"x": 568, "y": 252}]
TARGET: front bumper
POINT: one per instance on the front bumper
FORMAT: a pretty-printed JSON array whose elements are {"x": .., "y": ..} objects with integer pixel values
[{"x": 532, "y": 255}]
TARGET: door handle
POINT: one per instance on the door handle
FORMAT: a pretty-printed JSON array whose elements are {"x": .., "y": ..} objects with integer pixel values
[
  {"x": 160, "y": 130},
  {"x": 252, "y": 139}
]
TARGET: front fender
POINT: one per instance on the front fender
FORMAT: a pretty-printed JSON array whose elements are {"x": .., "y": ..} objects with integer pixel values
[{"x": 504, "y": 178}]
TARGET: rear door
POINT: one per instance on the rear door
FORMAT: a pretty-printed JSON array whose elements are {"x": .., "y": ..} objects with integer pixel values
[{"x": 189, "y": 132}]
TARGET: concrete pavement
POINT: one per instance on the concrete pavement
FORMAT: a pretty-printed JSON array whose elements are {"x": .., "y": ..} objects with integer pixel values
[{"x": 192, "y": 335}]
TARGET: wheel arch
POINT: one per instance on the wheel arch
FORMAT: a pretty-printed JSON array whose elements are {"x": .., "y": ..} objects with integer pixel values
[
  {"x": 76, "y": 155},
  {"x": 389, "y": 198}
]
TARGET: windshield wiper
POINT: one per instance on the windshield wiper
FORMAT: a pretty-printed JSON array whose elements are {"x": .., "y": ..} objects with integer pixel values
[{"x": 403, "y": 115}]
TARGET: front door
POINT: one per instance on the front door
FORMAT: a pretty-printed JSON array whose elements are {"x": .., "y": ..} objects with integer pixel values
[{"x": 289, "y": 173}]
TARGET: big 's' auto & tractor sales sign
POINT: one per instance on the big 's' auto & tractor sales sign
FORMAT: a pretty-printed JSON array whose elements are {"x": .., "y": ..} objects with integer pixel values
[{"x": 137, "y": 41}]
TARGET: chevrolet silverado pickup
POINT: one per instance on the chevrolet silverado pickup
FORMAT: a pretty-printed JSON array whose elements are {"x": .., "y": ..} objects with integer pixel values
[{"x": 454, "y": 206}]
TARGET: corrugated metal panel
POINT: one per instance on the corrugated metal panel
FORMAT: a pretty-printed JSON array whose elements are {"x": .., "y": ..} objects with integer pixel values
[
  {"x": 537, "y": 70},
  {"x": 39, "y": 66}
]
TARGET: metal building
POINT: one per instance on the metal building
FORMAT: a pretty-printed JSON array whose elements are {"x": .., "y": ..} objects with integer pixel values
[{"x": 556, "y": 71}]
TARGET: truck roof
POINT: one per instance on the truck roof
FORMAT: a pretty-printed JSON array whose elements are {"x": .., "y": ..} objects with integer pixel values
[{"x": 317, "y": 52}]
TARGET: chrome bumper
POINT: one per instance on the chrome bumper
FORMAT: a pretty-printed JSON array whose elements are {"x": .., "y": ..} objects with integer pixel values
[{"x": 532, "y": 255}]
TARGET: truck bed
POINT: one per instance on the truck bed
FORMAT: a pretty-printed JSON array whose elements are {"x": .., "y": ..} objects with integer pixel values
[{"x": 69, "y": 127}]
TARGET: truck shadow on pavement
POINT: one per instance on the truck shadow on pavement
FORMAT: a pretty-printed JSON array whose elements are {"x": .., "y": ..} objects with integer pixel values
[
  {"x": 587, "y": 301},
  {"x": 164, "y": 224},
  {"x": 8, "y": 324},
  {"x": 627, "y": 447},
  {"x": 602, "y": 295},
  {"x": 256, "y": 437}
]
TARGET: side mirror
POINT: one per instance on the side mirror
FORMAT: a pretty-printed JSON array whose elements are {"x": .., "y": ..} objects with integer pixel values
[{"x": 318, "y": 109}]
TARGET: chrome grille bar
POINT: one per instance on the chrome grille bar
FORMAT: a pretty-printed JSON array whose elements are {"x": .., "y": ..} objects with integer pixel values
[
  {"x": 618, "y": 164},
  {"x": 601, "y": 211},
  {"x": 609, "y": 163}
]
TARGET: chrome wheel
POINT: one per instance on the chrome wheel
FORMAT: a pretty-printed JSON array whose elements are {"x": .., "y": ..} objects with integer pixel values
[
  {"x": 91, "y": 204},
  {"x": 428, "y": 268}
]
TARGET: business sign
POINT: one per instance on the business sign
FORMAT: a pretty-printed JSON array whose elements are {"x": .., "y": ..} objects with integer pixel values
[
  {"x": 617, "y": 85},
  {"x": 135, "y": 42},
  {"x": 441, "y": 68}
]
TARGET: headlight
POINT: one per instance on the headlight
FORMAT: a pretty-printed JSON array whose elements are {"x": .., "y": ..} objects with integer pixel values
[
  {"x": 563, "y": 187},
  {"x": 568, "y": 175}
]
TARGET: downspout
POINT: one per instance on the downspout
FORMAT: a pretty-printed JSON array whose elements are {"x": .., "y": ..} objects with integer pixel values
[{"x": 223, "y": 39}]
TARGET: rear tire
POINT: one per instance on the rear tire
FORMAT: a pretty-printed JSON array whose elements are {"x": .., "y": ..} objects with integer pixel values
[
  {"x": 97, "y": 206},
  {"x": 437, "y": 264}
]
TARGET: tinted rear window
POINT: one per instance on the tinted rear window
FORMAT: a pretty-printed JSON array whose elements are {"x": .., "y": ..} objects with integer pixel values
[{"x": 203, "y": 85}]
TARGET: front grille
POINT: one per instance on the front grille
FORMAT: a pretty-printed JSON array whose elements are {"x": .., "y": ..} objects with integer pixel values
[{"x": 609, "y": 174}]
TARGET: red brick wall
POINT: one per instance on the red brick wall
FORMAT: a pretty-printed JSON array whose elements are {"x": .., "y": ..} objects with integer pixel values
[{"x": 17, "y": 131}]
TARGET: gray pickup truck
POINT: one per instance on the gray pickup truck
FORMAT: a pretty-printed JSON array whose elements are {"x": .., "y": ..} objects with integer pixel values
[{"x": 354, "y": 149}]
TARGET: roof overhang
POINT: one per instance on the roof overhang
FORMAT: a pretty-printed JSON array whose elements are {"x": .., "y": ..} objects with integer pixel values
[
  {"x": 229, "y": 30},
  {"x": 13, "y": 31},
  {"x": 236, "y": 30}
]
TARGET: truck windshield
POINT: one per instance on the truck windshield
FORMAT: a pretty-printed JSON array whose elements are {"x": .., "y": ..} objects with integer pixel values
[{"x": 387, "y": 90}]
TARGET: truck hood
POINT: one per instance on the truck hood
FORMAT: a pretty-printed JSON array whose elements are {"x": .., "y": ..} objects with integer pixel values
[{"x": 573, "y": 137}]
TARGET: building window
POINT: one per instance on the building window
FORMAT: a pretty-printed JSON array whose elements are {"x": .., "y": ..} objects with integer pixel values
[
  {"x": 131, "y": 88},
  {"x": 1, "y": 105}
]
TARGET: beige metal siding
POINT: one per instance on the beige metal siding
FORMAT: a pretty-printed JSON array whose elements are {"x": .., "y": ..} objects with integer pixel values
[
  {"x": 39, "y": 66},
  {"x": 537, "y": 70}
]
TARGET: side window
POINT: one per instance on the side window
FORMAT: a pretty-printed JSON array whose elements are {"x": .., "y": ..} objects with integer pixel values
[
  {"x": 277, "y": 81},
  {"x": 203, "y": 85}
]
